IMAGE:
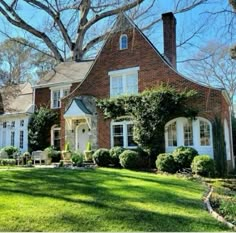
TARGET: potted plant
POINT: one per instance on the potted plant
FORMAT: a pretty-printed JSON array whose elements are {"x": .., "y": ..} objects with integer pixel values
[
  {"x": 88, "y": 152},
  {"x": 49, "y": 154},
  {"x": 66, "y": 154}
]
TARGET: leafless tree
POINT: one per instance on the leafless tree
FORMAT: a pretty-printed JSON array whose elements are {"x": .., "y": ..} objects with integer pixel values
[
  {"x": 75, "y": 27},
  {"x": 213, "y": 66},
  {"x": 21, "y": 62}
]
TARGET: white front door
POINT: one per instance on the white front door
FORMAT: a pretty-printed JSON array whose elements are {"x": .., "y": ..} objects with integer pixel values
[{"x": 82, "y": 137}]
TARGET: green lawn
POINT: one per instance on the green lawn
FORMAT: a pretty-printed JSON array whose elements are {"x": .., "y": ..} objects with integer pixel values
[{"x": 100, "y": 200}]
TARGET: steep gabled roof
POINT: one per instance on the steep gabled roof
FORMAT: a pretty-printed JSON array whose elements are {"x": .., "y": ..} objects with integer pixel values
[{"x": 123, "y": 23}]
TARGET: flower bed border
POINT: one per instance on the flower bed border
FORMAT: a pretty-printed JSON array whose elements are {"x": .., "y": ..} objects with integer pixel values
[{"x": 215, "y": 214}]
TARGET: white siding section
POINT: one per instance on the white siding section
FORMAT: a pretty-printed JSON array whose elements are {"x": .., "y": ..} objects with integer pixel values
[{"x": 5, "y": 133}]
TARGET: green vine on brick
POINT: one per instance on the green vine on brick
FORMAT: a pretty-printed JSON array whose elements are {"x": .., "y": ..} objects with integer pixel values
[
  {"x": 39, "y": 128},
  {"x": 150, "y": 111}
]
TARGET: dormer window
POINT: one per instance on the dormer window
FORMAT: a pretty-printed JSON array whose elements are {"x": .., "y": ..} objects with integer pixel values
[{"x": 123, "y": 41}]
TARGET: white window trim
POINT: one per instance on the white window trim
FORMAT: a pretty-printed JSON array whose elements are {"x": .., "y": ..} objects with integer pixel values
[
  {"x": 123, "y": 73},
  {"x": 120, "y": 42},
  {"x": 23, "y": 139},
  {"x": 61, "y": 89},
  {"x": 196, "y": 132},
  {"x": 53, "y": 128},
  {"x": 125, "y": 133}
]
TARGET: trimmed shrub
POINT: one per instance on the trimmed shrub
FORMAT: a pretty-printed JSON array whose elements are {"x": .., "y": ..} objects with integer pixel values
[
  {"x": 77, "y": 158},
  {"x": 10, "y": 150},
  {"x": 102, "y": 157},
  {"x": 8, "y": 162},
  {"x": 143, "y": 157},
  {"x": 165, "y": 162},
  {"x": 130, "y": 159},
  {"x": 183, "y": 156},
  {"x": 203, "y": 165},
  {"x": 115, "y": 153}
]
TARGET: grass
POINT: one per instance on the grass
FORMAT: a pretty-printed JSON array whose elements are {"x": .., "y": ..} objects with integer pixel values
[
  {"x": 100, "y": 200},
  {"x": 223, "y": 198}
]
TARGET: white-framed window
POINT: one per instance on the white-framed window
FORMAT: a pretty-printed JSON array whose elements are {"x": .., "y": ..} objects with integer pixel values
[
  {"x": 172, "y": 136},
  {"x": 123, "y": 42},
  {"x": 13, "y": 123},
  {"x": 122, "y": 134},
  {"x": 124, "y": 81},
  {"x": 22, "y": 123},
  {"x": 55, "y": 136},
  {"x": 188, "y": 133},
  {"x": 196, "y": 133},
  {"x": 21, "y": 139},
  {"x": 57, "y": 94},
  {"x": 12, "y": 138},
  {"x": 204, "y": 133}
]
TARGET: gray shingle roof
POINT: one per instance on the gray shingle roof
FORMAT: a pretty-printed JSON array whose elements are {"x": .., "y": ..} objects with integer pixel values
[
  {"x": 17, "y": 98},
  {"x": 66, "y": 72}
]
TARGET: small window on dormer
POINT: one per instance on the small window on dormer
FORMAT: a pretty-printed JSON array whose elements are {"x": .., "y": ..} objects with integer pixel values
[{"x": 123, "y": 42}]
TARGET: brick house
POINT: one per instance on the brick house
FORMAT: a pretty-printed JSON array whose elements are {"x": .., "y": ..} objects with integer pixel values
[{"x": 129, "y": 63}]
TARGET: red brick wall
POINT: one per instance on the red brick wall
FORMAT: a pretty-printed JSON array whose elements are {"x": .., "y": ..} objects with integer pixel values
[
  {"x": 43, "y": 96},
  {"x": 153, "y": 71}
]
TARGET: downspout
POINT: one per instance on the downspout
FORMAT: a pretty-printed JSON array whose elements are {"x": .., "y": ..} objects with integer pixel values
[{"x": 227, "y": 99}]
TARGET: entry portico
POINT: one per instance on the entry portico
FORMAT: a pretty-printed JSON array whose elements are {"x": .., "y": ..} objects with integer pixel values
[{"x": 80, "y": 122}]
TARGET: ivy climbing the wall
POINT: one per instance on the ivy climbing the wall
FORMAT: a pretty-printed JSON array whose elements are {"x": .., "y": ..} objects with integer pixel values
[
  {"x": 39, "y": 128},
  {"x": 150, "y": 111}
]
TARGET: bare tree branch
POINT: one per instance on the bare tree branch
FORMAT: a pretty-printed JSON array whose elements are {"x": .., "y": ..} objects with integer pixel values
[{"x": 19, "y": 22}]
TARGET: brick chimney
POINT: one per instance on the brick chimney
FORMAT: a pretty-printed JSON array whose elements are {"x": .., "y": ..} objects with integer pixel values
[{"x": 169, "y": 34}]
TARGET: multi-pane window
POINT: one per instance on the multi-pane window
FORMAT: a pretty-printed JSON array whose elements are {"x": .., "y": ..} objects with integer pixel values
[
  {"x": 122, "y": 134},
  {"x": 56, "y": 137},
  {"x": 65, "y": 92},
  {"x": 13, "y": 124},
  {"x": 124, "y": 82},
  {"x": 22, "y": 122},
  {"x": 116, "y": 86},
  {"x": 130, "y": 140},
  {"x": 21, "y": 139},
  {"x": 204, "y": 133},
  {"x": 12, "y": 138},
  {"x": 123, "y": 42},
  {"x": 56, "y": 99},
  {"x": 118, "y": 135},
  {"x": 56, "y": 96},
  {"x": 188, "y": 133},
  {"x": 172, "y": 137}
]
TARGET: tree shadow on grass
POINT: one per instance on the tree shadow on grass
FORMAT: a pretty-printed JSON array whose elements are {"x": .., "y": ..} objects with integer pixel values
[{"x": 110, "y": 209}]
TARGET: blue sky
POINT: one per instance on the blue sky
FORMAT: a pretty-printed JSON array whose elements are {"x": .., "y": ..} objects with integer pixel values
[{"x": 187, "y": 23}]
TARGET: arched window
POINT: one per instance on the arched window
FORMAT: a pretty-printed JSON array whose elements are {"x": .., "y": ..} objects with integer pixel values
[
  {"x": 123, "y": 41},
  {"x": 195, "y": 133},
  {"x": 205, "y": 137},
  {"x": 55, "y": 136},
  {"x": 188, "y": 133}
]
